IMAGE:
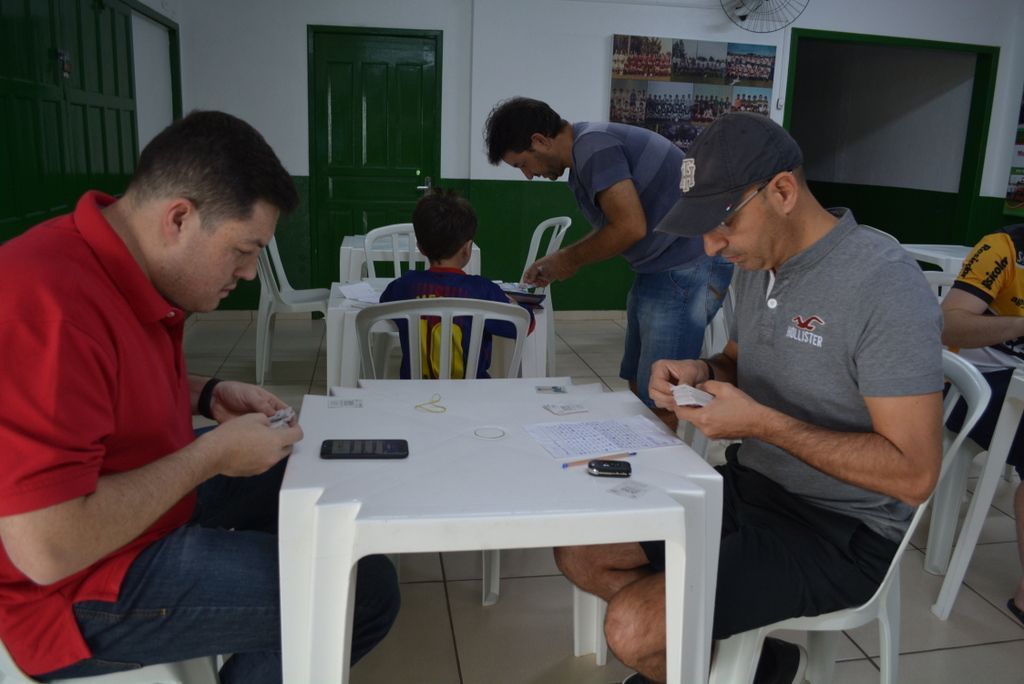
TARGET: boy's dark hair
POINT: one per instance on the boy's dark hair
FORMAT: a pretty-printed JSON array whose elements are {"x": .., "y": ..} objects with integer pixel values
[
  {"x": 511, "y": 123},
  {"x": 219, "y": 162},
  {"x": 443, "y": 221}
]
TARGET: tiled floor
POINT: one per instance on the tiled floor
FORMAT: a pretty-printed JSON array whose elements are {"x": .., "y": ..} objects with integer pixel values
[{"x": 445, "y": 636}]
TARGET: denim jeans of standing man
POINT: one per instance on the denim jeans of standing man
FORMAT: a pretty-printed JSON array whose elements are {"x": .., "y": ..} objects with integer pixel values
[{"x": 211, "y": 588}]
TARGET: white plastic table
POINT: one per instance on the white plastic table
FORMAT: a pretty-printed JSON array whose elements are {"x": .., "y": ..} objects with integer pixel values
[
  {"x": 947, "y": 257},
  {"x": 343, "y": 361},
  {"x": 999, "y": 449},
  {"x": 352, "y": 257},
  {"x": 458, "y": 491}
]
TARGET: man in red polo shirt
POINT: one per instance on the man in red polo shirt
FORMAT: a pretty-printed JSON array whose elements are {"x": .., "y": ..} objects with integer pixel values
[{"x": 126, "y": 541}]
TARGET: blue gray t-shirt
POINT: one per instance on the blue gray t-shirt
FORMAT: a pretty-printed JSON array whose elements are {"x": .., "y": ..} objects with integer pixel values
[
  {"x": 849, "y": 317},
  {"x": 604, "y": 154}
]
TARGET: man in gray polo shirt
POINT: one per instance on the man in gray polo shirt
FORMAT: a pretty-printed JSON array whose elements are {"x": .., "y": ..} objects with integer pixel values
[{"x": 835, "y": 398}]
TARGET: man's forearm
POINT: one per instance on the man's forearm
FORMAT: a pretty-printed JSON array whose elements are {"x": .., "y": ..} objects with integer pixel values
[
  {"x": 865, "y": 459},
  {"x": 969, "y": 330},
  {"x": 55, "y": 542},
  {"x": 599, "y": 245}
]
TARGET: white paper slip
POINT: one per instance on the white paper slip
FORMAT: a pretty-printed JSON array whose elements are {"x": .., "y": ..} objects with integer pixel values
[
  {"x": 685, "y": 395},
  {"x": 595, "y": 437},
  {"x": 344, "y": 403},
  {"x": 361, "y": 292},
  {"x": 565, "y": 409}
]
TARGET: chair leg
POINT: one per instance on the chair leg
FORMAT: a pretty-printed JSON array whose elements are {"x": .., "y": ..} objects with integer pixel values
[
  {"x": 491, "y": 588},
  {"x": 736, "y": 658},
  {"x": 549, "y": 371},
  {"x": 889, "y": 633},
  {"x": 945, "y": 512},
  {"x": 821, "y": 652},
  {"x": 984, "y": 491},
  {"x": 264, "y": 335}
]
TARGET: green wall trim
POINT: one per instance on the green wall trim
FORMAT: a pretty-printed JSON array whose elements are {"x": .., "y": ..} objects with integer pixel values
[
  {"x": 508, "y": 211},
  {"x": 917, "y": 215}
]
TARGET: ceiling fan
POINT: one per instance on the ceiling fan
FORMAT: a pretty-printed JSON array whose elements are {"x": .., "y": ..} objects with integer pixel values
[{"x": 763, "y": 16}]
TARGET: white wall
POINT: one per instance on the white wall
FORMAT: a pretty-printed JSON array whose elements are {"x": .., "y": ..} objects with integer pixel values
[
  {"x": 249, "y": 57},
  {"x": 560, "y": 51},
  {"x": 883, "y": 115},
  {"x": 154, "y": 105}
]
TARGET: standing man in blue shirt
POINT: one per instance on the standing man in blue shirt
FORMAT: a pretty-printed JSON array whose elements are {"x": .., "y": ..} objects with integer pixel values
[{"x": 625, "y": 179}]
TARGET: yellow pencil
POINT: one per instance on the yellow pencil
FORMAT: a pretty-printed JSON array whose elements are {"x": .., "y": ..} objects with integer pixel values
[{"x": 608, "y": 457}]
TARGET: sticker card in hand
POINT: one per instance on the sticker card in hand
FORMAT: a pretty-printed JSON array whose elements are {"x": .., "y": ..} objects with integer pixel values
[
  {"x": 685, "y": 395},
  {"x": 282, "y": 418}
]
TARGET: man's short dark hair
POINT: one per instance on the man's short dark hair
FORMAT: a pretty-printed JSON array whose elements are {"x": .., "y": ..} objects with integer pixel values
[
  {"x": 512, "y": 122},
  {"x": 443, "y": 221},
  {"x": 219, "y": 162}
]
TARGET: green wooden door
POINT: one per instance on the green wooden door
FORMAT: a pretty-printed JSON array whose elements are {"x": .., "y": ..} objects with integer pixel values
[
  {"x": 67, "y": 107},
  {"x": 374, "y": 128}
]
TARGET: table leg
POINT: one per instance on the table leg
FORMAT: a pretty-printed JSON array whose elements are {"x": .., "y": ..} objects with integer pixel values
[{"x": 333, "y": 586}]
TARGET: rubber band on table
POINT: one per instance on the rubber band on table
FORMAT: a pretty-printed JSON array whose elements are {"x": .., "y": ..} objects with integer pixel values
[{"x": 432, "y": 405}]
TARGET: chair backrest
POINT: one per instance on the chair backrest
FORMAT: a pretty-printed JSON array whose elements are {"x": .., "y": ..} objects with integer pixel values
[
  {"x": 400, "y": 239},
  {"x": 269, "y": 288},
  {"x": 558, "y": 225},
  {"x": 965, "y": 381},
  {"x": 271, "y": 271},
  {"x": 882, "y": 232},
  {"x": 940, "y": 281},
  {"x": 446, "y": 310}
]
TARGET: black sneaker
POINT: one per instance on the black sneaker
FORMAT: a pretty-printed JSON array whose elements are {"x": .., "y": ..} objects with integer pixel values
[
  {"x": 1017, "y": 612},
  {"x": 781, "y": 663},
  {"x": 636, "y": 678}
]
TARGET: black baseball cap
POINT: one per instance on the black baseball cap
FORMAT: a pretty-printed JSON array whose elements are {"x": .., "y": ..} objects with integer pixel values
[{"x": 736, "y": 151}]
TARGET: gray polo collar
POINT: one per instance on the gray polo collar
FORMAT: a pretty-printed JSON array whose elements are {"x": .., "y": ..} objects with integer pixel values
[{"x": 816, "y": 252}]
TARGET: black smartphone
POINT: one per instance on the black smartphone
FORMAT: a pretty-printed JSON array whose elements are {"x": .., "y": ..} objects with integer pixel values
[
  {"x": 364, "y": 448},
  {"x": 608, "y": 468}
]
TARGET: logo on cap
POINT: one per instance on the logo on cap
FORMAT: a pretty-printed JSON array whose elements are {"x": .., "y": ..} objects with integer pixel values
[{"x": 687, "y": 177}]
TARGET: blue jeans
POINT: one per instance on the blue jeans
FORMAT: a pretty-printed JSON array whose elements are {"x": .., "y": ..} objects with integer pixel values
[
  {"x": 211, "y": 588},
  {"x": 666, "y": 314}
]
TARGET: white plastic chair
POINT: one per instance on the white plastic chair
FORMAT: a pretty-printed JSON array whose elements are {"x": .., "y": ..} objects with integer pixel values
[
  {"x": 396, "y": 235},
  {"x": 737, "y": 657},
  {"x": 446, "y": 309},
  {"x": 195, "y": 671},
  {"x": 941, "y": 282},
  {"x": 950, "y": 493},
  {"x": 558, "y": 226},
  {"x": 278, "y": 296}
]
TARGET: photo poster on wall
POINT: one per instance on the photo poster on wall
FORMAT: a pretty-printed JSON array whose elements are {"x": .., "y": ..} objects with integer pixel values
[
  {"x": 676, "y": 87},
  {"x": 1015, "y": 188}
]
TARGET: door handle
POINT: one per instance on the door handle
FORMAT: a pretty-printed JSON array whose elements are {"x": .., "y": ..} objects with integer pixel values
[{"x": 428, "y": 183}]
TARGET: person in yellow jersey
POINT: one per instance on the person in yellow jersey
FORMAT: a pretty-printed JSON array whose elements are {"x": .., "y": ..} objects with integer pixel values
[{"x": 984, "y": 320}]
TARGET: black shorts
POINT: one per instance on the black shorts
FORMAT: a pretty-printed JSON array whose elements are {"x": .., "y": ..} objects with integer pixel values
[{"x": 782, "y": 557}]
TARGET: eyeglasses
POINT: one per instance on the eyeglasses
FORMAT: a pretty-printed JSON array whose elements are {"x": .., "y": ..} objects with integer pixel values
[{"x": 730, "y": 212}]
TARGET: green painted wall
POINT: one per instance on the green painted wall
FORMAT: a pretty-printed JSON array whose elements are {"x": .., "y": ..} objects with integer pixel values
[{"x": 509, "y": 211}]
